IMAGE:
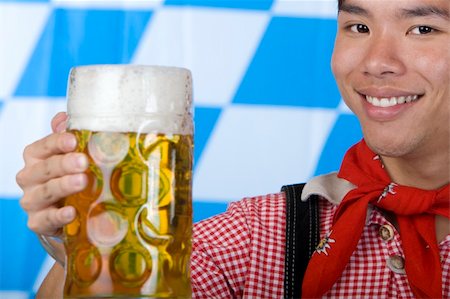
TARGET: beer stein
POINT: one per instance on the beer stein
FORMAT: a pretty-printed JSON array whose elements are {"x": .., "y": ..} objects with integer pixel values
[{"x": 131, "y": 236}]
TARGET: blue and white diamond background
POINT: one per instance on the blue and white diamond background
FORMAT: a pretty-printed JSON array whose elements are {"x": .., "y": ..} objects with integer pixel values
[{"x": 267, "y": 111}]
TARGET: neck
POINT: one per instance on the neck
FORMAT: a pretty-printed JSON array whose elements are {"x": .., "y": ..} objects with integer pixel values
[{"x": 427, "y": 172}]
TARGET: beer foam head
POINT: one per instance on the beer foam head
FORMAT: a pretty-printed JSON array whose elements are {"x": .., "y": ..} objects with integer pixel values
[{"x": 130, "y": 98}]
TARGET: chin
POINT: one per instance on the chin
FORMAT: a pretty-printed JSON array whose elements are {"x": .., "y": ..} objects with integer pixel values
[
  {"x": 391, "y": 145},
  {"x": 388, "y": 151}
]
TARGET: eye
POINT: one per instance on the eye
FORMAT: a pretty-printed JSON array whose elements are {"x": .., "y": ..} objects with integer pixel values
[
  {"x": 359, "y": 28},
  {"x": 422, "y": 29}
]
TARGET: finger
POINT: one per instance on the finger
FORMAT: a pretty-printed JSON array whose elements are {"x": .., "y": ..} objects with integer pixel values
[
  {"x": 59, "y": 122},
  {"x": 49, "y": 222},
  {"x": 55, "y": 143},
  {"x": 51, "y": 192},
  {"x": 53, "y": 167}
]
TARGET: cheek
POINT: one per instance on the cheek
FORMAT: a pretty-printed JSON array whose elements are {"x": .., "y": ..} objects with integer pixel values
[
  {"x": 345, "y": 60},
  {"x": 434, "y": 67},
  {"x": 336, "y": 65},
  {"x": 346, "y": 63}
]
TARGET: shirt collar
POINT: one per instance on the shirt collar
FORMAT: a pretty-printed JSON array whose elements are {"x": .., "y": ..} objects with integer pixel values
[
  {"x": 328, "y": 186},
  {"x": 332, "y": 188}
]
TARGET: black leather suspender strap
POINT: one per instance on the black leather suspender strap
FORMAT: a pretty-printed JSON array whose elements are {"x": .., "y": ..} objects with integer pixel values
[{"x": 302, "y": 237}]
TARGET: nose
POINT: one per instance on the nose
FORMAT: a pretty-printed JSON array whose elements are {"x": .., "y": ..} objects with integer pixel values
[{"x": 383, "y": 57}]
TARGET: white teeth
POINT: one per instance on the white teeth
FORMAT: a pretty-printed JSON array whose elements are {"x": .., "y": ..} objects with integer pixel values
[
  {"x": 392, "y": 101},
  {"x": 384, "y": 102}
]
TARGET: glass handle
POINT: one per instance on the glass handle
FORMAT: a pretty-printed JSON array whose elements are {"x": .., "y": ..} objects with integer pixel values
[{"x": 50, "y": 245}]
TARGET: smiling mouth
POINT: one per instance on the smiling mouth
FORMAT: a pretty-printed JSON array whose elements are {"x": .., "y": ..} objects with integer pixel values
[{"x": 391, "y": 101}]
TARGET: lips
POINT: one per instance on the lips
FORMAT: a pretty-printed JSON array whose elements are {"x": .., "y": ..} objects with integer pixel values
[{"x": 385, "y": 102}]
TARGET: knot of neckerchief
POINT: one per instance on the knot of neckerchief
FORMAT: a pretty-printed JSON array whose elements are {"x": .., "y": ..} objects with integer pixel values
[{"x": 415, "y": 210}]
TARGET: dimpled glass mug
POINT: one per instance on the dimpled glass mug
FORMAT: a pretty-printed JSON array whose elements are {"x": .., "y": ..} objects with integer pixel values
[{"x": 132, "y": 234}]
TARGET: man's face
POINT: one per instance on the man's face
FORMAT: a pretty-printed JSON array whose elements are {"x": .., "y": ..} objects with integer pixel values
[{"x": 391, "y": 63}]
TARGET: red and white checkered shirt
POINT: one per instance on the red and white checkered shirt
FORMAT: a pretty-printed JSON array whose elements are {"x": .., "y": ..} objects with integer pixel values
[{"x": 240, "y": 253}]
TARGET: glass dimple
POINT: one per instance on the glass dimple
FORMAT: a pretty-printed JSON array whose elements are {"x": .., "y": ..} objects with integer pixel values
[
  {"x": 106, "y": 225},
  {"x": 131, "y": 188},
  {"x": 87, "y": 265},
  {"x": 94, "y": 184},
  {"x": 130, "y": 266},
  {"x": 108, "y": 148}
]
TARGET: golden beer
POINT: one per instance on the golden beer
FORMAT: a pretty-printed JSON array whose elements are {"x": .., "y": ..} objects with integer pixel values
[
  {"x": 135, "y": 237},
  {"x": 132, "y": 234}
]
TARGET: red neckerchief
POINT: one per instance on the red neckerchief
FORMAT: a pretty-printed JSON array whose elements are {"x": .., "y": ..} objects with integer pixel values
[{"x": 414, "y": 209}]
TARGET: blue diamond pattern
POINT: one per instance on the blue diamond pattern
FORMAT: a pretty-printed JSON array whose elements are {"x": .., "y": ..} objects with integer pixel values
[
  {"x": 205, "y": 119},
  {"x": 292, "y": 66},
  {"x": 99, "y": 42}
]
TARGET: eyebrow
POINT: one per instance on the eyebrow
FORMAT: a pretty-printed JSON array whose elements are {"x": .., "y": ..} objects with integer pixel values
[
  {"x": 354, "y": 9},
  {"x": 420, "y": 11},
  {"x": 425, "y": 11}
]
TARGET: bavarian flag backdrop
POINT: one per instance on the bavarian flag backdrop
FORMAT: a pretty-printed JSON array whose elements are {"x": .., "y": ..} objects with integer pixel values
[{"x": 267, "y": 110}]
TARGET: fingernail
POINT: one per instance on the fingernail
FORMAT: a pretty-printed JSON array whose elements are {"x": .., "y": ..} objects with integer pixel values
[
  {"x": 68, "y": 213},
  {"x": 78, "y": 180},
  {"x": 81, "y": 162},
  {"x": 70, "y": 142}
]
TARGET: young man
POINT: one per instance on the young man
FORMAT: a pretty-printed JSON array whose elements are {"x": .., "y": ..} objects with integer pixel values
[{"x": 384, "y": 217}]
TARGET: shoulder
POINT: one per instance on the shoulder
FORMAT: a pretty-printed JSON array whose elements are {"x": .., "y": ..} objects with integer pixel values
[{"x": 229, "y": 247}]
